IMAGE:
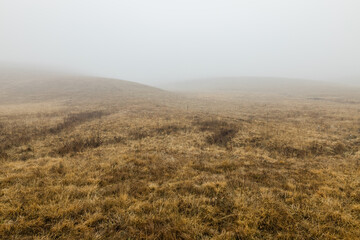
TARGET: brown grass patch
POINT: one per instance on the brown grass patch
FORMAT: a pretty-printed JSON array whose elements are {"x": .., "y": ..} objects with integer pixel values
[{"x": 292, "y": 172}]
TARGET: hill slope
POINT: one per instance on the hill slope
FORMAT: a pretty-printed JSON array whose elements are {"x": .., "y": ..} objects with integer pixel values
[{"x": 19, "y": 87}]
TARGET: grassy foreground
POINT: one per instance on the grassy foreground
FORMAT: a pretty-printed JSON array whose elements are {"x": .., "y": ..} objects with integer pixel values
[{"x": 287, "y": 171}]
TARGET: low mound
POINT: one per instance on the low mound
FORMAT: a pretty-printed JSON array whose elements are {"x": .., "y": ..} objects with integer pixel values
[
  {"x": 282, "y": 86},
  {"x": 19, "y": 87}
]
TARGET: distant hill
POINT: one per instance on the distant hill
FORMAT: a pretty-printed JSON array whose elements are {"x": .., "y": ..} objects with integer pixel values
[
  {"x": 25, "y": 86},
  {"x": 261, "y": 85}
]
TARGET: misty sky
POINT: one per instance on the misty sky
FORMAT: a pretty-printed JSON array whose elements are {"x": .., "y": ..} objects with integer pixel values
[{"x": 162, "y": 40}]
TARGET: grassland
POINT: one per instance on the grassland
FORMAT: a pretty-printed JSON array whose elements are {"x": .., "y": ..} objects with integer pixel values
[{"x": 206, "y": 168}]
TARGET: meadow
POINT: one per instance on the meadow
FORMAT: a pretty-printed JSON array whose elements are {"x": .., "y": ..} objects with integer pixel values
[{"x": 209, "y": 167}]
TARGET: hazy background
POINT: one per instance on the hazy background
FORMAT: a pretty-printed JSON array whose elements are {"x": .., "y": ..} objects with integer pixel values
[{"x": 161, "y": 40}]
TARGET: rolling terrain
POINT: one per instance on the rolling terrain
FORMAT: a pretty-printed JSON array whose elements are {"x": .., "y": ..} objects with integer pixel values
[
  {"x": 284, "y": 87},
  {"x": 90, "y": 158}
]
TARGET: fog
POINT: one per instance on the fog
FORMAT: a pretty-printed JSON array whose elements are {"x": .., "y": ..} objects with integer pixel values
[{"x": 162, "y": 41}]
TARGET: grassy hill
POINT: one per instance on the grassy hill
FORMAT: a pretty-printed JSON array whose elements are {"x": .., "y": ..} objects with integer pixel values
[{"x": 20, "y": 87}]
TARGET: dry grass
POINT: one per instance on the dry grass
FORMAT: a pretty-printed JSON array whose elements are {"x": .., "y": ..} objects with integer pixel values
[{"x": 283, "y": 170}]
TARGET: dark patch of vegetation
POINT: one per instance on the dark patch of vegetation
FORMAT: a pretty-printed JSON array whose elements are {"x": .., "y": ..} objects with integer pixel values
[
  {"x": 16, "y": 137},
  {"x": 211, "y": 125},
  {"x": 25, "y": 153},
  {"x": 79, "y": 144},
  {"x": 222, "y": 136},
  {"x": 286, "y": 149},
  {"x": 76, "y": 118},
  {"x": 222, "y": 131},
  {"x": 141, "y": 133},
  {"x": 138, "y": 134},
  {"x": 20, "y": 134},
  {"x": 3, "y": 154},
  {"x": 289, "y": 151},
  {"x": 327, "y": 149},
  {"x": 117, "y": 139},
  {"x": 169, "y": 129}
]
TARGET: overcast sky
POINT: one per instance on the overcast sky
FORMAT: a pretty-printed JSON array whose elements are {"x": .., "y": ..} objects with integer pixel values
[{"x": 166, "y": 40}]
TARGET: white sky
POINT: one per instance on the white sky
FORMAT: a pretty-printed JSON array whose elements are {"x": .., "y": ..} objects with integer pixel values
[{"x": 166, "y": 40}]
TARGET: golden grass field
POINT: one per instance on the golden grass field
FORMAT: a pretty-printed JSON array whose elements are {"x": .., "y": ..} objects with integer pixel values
[{"x": 204, "y": 167}]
